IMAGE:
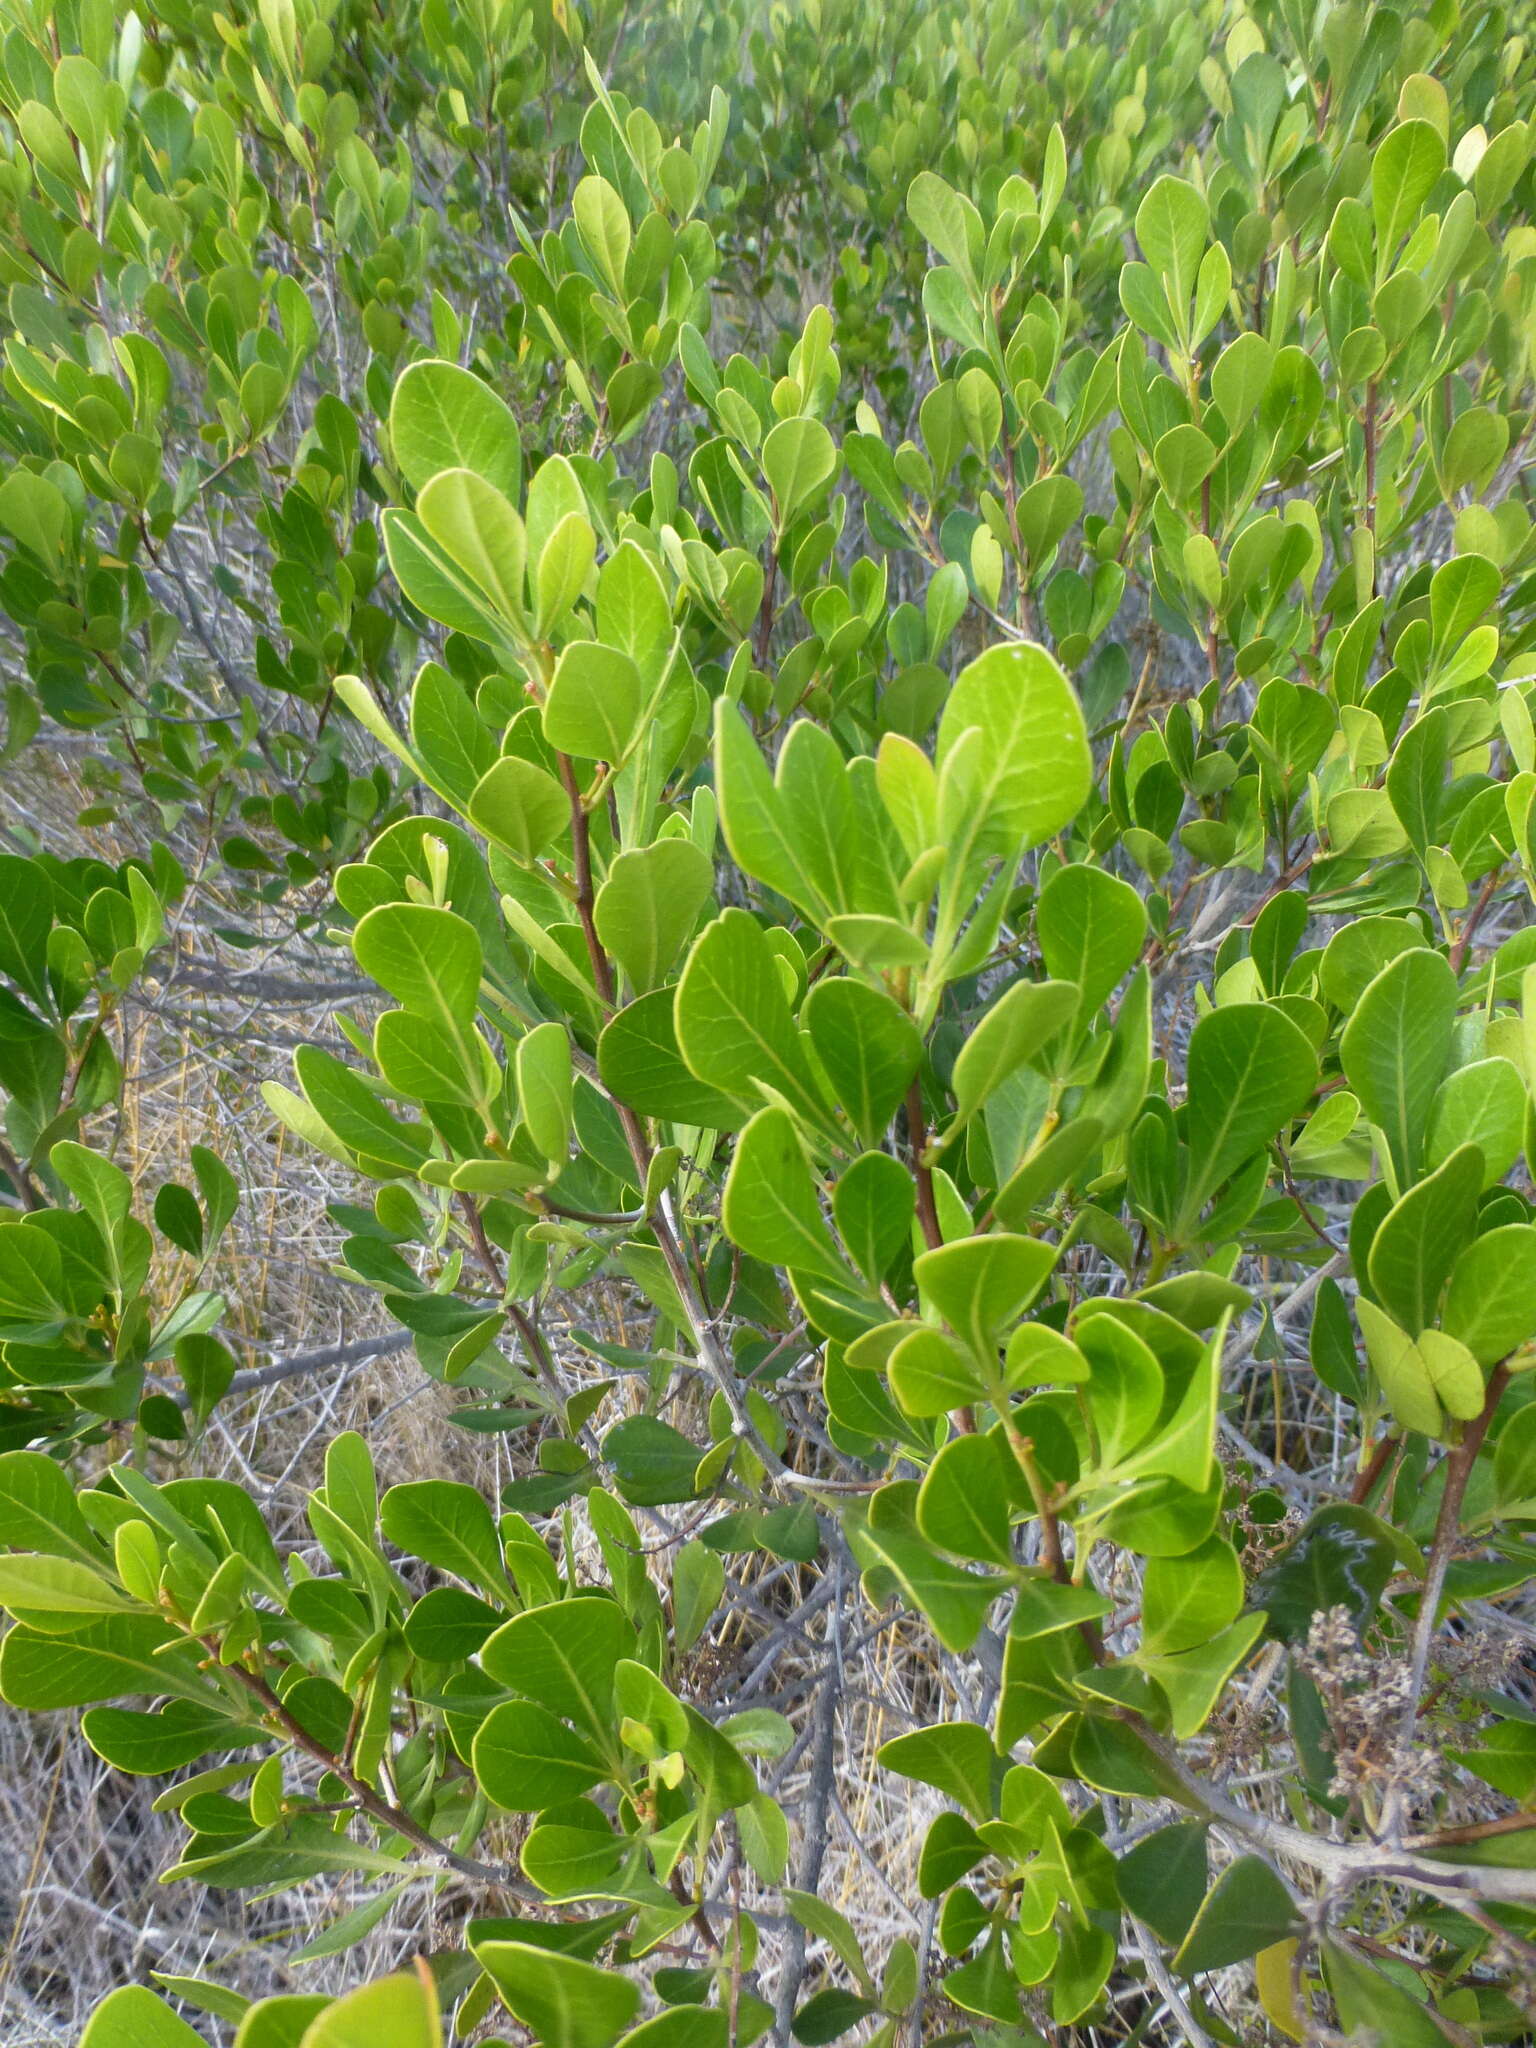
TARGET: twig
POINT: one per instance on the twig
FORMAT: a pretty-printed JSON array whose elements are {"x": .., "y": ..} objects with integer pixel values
[
  {"x": 303, "y": 1362},
  {"x": 1458, "y": 1470},
  {"x": 373, "y": 1803},
  {"x": 817, "y": 1805}
]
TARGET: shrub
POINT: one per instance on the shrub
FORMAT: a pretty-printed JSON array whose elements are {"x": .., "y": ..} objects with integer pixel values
[{"x": 965, "y": 846}]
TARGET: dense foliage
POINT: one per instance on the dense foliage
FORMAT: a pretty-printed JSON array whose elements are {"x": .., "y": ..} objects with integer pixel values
[{"x": 910, "y": 695}]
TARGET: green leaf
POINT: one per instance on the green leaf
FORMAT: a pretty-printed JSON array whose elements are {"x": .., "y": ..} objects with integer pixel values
[
  {"x": 349, "y": 1929},
  {"x": 734, "y": 1027},
  {"x": 1239, "y": 378},
  {"x": 1342, "y": 1558},
  {"x": 1421, "y": 1237},
  {"x": 1454, "y": 1372},
  {"x": 436, "y": 584},
  {"x": 38, "y": 1509},
  {"x": 448, "y": 1525},
  {"x": 652, "y": 1462},
  {"x": 822, "y": 1919},
  {"x": 480, "y": 534},
  {"x": 1514, "y": 1459},
  {"x": 594, "y": 703},
  {"x": 442, "y": 417},
  {"x": 26, "y": 913},
  {"x": 769, "y": 1207},
  {"x": 874, "y": 1203},
  {"x": 396, "y": 2012},
  {"x": 1163, "y": 1878},
  {"x": 55, "y": 1589},
  {"x": 283, "y": 2021},
  {"x": 563, "y": 568},
  {"x": 1194, "y": 1681},
  {"x": 800, "y": 460},
  {"x": 1125, "y": 1388},
  {"x": 640, "y": 1064},
  {"x": 1248, "y": 1908},
  {"x": 204, "y": 1996},
  {"x": 1490, "y": 1305},
  {"x": 1482, "y": 1104},
  {"x": 563, "y": 1656},
  {"x": 525, "y": 1759},
  {"x": 988, "y": 1984},
  {"x": 1460, "y": 591},
  {"x": 698, "y": 1585},
  {"x": 766, "y": 835},
  {"x": 948, "y": 220},
  {"x": 1172, "y": 223},
  {"x": 828, "y": 2014},
  {"x": 545, "y": 1090},
  {"x": 981, "y": 1284},
  {"x": 134, "y": 2018},
  {"x": 931, "y": 1374},
  {"x": 1479, "y": 1104},
  {"x": 724, "y": 1777},
  {"x": 1251, "y": 1070},
  {"x": 648, "y": 908},
  {"x": 1035, "y": 768},
  {"x": 448, "y": 1625},
  {"x": 1395, "y": 1047},
  {"x": 1404, "y": 170},
  {"x": 633, "y": 611},
  {"x": 35, "y": 511},
  {"x": 564, "y": 2002},
  {"x": 868, "y": 1046},
  {"x": 1372, "y": 2007},
  {"x": 687, "y": 2026},
  {"x": 1025, "y": 1018},
  {"x": 963, "y": 1503},
  {"x": 951, "y": 1850},
  {"x": 1402, "y": 1369},
  {"x": 1183, "y": 459},
  {"x": 1187, "y": 1600},
  {"x": 1415, "y": 779},
  {"x": 955, "y": 1601},
  {"x": 1081, "y": 1969},
  {"x": 428, "y": 959},
  {"x": 520, "y": 806},
  {"x": 109, "y": 1659},
  {"x": 424, "y": 1062},
  {"x": 602, "y": 222},
  {"x": 1091, "y": 927},
  {"x": 354, "y": 1113}
]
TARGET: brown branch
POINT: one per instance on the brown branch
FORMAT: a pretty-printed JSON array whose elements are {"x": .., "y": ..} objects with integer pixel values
[
  {"x": 764, "y": 633},
  {"x": 1458, "y": 1470},
  {"x": 1464, "y": 938},
  {"x": 373, "y": 1803},
  {"x": 586, "y": 895},
  {"x": 1476, "y": 1831},
  {"x": 27, "y": 1191},
  {"x": 922, "y": 1174},
  {"x": 1366, "y": 1479},
  {"x": 668, "y": 1240}
]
